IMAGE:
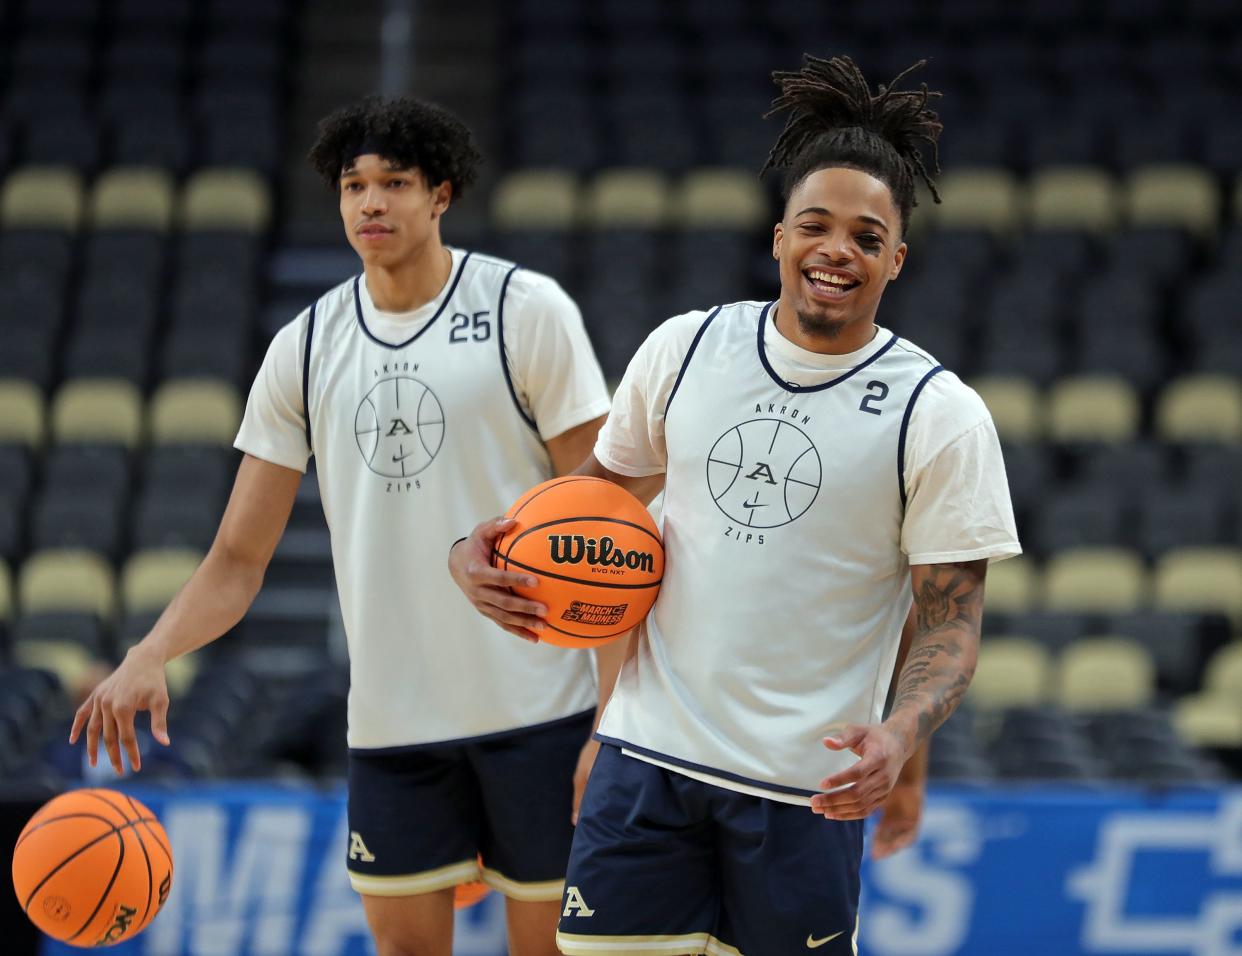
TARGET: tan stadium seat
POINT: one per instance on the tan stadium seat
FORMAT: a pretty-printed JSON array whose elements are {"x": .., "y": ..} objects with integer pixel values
[
  {"x": 21, "y": 413},
  {"x": 42, "y": 197},
  {"x": 69, "y": 661},
  {"x": 1093, "y": 408},
  {"x": 1094, "y": 580},
  {"x": 97, "y": 410},
  {"x": 1175, "y": 196},
  {"x": 152, "y": 578},
  {"x": 133, "y": 197},
  {"x": 6, "y": 592},
  {"x": 1012, "y": 586},
  {"x": 1224, "y": 671},
  {"x": 1068, "y": 197},
  {"x": 195, "y": 411},
  {"x": 67, "y": 580},
  {"x": 1015, "y": 404},
  {"x": 1200, "y": 408},
  {"x": 536, "y": 199},
  {"x": 720, "y": 199},
  {"x": 976, "y": 198},
  {"x": 627, "y": 198},
  {"x": 1011, "y": 672},
  {"x": 1200, "y": 579},
  {"x": 1105, "y": 673},
  {"x": 234, "y": 200},
  {"x": 1209, "y": 720}
]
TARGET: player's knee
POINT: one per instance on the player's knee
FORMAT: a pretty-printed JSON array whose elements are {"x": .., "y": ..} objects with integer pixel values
[
  {"x": 397, "y": 941},
  {"x": 411, "y": 925}
]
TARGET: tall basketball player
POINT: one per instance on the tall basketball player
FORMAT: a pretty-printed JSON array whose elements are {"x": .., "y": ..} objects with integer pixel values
[
  {"x": 436, "y": 385},
  {"x": 813, "y": 464}
]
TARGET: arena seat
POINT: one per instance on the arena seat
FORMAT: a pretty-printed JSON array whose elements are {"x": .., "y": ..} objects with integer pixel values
[
  {"x": 97, "y": 410},
  {"x": 226, "y": 199},
  {"x": 1179, "y": 196},
  {"x": 1180, "y": 516},
  {"x": 1016, "y": 406},
  {"x": 1012, "y": 585},
  {"x": 1209, "y": 720},
  {"x": 195, "y": 411},
  {"x": 67, "y": 580},
  {"x": 626, "y": 198},
  {"x": 720, "y": 199},
  {"x": 21, "y": 413},
  {"x": 979, "y": 198},
  {"x": 1012, "y": 671},
  {"x": 535, "y": 200},
  {"x": 1094, "y": 580},
  {"x": 1200, "y": 579},
  {"x": 1224, "y": 671},
  {"x": 1078, "y": 516},
  {"x": 42, "y": 198},
  {"x": 1200, "y": 408},
  {"x": 1073, "y": 198},
  {"x": 1092, "y": 408},
  {"x": 133, "y": 198},
  {"x": 1054, "y": 630},
  {"x": 1105, "y": 673},
  {"x": 150, "y": 579}
]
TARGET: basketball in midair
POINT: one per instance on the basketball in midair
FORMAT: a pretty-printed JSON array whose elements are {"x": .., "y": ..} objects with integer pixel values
[
  {"x": 595, "y": 551},
  {"x": 92, "y": 867}
]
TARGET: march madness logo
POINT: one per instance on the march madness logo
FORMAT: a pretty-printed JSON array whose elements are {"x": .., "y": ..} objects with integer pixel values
[
  {"x": 764, "y": 473},
  {"x": 600, "y": 615},
  {"x": 399, "y": 427}
]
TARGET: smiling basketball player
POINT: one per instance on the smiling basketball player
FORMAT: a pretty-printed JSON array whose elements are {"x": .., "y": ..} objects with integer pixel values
[
  {"x": 435, "y": 386},
  {"x": 813, "y": 464}
]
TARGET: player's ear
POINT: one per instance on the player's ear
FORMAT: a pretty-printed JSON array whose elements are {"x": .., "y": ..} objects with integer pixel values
[
  {"x": 441, "y": 198},
  {"x": 899, "y": 257},
  {"x": 778, "y": 233}
]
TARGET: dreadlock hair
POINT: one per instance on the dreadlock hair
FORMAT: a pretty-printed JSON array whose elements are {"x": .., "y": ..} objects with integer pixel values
[
  {"x": 403, "y": 130},
  {"x": 835, "y": 120}
]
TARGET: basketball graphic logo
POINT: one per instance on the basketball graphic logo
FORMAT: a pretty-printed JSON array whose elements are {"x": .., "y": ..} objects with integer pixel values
[
  {"x": 764, "y": 473},
  {"x": 400, "y": 427}
]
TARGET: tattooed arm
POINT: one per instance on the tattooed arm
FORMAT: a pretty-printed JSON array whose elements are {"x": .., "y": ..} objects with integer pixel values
[{"x": 948, "y": 607}]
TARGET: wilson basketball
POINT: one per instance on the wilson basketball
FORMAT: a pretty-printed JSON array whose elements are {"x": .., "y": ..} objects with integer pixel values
[
  {"x": 92, "y": 867},
  {"x": 467, "y": 894},
  {"x": 595, "y": 551}
]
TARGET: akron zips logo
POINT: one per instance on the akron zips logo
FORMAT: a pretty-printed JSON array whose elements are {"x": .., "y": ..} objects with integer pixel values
[{"x": 399, "y": 427}]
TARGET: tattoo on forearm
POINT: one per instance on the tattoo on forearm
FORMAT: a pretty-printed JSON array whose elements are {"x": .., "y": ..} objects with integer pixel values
[{"x": 948, "y": 609}]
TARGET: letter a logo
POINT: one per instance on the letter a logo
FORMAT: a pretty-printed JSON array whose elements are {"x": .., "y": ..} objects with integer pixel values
[
  {"x": 358, "y": 850},
  {"x": 575, "y": 905},
  {"x": 398, "y": 425},
  {"x": 762, "y": 472}
]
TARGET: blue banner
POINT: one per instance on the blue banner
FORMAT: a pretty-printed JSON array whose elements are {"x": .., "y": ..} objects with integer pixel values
[{"x": 260, "y": 872}]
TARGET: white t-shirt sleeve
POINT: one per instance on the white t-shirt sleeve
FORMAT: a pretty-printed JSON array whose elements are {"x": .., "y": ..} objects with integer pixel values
[
  {"x": 632, "y": 441},
  {"x": 957, "y": 495},
  {"x": 274, "y": 426},
  {"x": 555, "y": 373}
]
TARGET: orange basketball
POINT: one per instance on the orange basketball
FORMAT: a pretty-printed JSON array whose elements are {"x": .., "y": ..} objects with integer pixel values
[
  {"x": 92, "y": 867},
  {"x": 597, "y": 555},
  {"x": 467, "y": 894}
]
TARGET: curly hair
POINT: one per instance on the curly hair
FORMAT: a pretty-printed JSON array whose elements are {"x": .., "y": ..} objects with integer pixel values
[
  {"x": 835, "y": 120},
  {"x": 405, "y": 131}
]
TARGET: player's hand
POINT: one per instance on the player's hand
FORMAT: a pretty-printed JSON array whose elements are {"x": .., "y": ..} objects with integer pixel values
[
  {"x": 487, "y": 588},
  {"x": 899, "y": 820},
  {"x": 869, "y": 782},
  {"x": 586, "y": 760},
  {"x": 138, "y": 684}
]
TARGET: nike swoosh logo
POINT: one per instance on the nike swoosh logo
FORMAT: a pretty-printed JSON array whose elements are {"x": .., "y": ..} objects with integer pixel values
[
  {"x": 813, "y": 943},
  {"x": 747, "y": 504},
  {"x": 402, "y": 457}
]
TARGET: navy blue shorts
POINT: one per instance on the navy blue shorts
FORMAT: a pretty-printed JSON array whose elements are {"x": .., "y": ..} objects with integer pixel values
[
  {"x": 420, "y": 818},
  {"x": 665, "y": 864}
]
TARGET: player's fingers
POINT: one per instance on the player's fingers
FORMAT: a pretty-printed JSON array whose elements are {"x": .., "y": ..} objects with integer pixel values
[
  {"x": 514, "y": 603},
  {"x": 493, "y": 528},
  {"x": 127, "y": 739},
  {"x": 110, "y": 742},
  {"x": 159, "y": 719},
  {"x": 93, "y": 727},
  {"x": 513, "y": 619},
  {"x": 482, "y": 574},
  {"x": 888, "y": 840},
  {"x": 80, "y": 718},
  {"x": 854, "y": 774},
  {"x": 847, "y": 738}
]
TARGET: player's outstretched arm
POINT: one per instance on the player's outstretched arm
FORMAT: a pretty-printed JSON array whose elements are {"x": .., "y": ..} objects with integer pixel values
[
  {"x": 948, "y": 605},
  {"x": 210, "y": 603}
]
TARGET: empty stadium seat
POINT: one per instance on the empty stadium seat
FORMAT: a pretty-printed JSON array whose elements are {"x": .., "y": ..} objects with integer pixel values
[
  {"x": 626, "y": 198},
  {"x": 1073, "y": 198},
  {"x": 1092, "y": 408},
  {"x": 1086, "y": 516},
  {"x": 1100, "y": 580},
  {"x": 1105, "y": 673},
  {"x": 1015, "y": 404},
  {"x": 132, "y": 198},
  {"x": 1012, "y": 586},
  {"x": 1224, "y": 671},
  {"x": 1011, "y": 672},
  {"x": 1200, "y": 408},
  {"x": 1183, "y": 197},
  {"x": 1209, "y": 720},
  {"x": 42, "y": 198},
  {"x": 1180, "y": 516},
  {"x": 97, "y": 411},
  {"x": 1052, "y": 629},
  {"x": 195, "y": 411},
  {"x": 66, "y": 580},
  {"x": 150, "y": 579},
  {"x": 1200, "y": 579},
  {"x": 21, "y": 413},
  {"x": 980, "y": 198},
  {"x": 720, "y": 199},
  {"x": 535, "y": 199},
  {"x": 226, "y": 199}
]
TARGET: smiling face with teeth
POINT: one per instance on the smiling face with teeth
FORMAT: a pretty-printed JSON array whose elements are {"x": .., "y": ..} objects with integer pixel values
[{"x": 838, "y": 246}]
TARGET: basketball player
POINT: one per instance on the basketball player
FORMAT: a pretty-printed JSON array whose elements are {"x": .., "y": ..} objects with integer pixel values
[
  {"x": 814, "y": 467},
  {"x": 436, "y": 384}
]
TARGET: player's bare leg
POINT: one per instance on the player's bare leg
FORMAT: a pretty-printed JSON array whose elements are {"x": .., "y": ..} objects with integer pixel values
[
  {"x": 532, "y": 927},
  {"x": 412, "y": 925}
]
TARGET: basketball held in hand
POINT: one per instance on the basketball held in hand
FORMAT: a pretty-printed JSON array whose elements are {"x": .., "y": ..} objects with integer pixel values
[
  {"x": 92, "y": 867},
  {"x": 596, "y": 554}
]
